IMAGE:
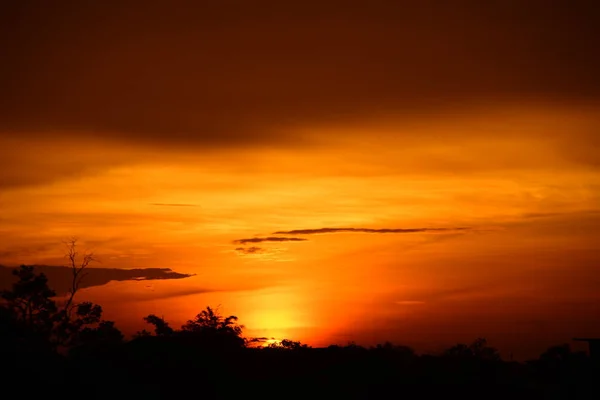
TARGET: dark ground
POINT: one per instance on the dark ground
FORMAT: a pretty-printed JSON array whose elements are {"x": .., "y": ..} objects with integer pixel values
[{"x": 165, "y": 368}]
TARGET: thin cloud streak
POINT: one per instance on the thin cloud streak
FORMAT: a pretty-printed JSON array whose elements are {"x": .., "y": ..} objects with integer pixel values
[
  {"x": 267, "y": 239},
  {"x": 365, "y": 230},
  {"x": 191, "y": 292},
  {"x": 250, "y": 250}
]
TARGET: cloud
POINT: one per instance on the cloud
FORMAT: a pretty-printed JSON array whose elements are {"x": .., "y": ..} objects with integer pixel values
[
  {"x": 25, "y": 251},
  {"x": 59, "y": 278},
  {"x": 301, "y": 61},
  {"x": 167, "y": 295},
  {"x": 254, "y": 250},
  {"x": 264, "y": 254},
  {"x": 579, "y": 213},
  {"x": 260, "y": 341},
  {"x": 365, "y": 230},
  {"x": 188, "y": 292},
  {"x": 250, "y": 250},
  {"x": 153, "y": 294},
  {"x": 268, "y": 239}
]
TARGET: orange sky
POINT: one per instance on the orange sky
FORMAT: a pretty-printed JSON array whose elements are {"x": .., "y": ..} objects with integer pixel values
[{"x": 160, "y": 143}]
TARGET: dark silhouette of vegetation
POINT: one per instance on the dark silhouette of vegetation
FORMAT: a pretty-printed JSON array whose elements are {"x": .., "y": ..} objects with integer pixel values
[
  {"x": 477, "y": 349},
  {"x": 161, "y": 328},
  {"x": 208, "y": 328},
  {"x": 64, "y": 348},
  {"x": 37, "y": 320},
  {"x": 287, "y": 344}
]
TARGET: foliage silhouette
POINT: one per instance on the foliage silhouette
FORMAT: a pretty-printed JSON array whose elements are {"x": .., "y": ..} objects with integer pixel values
[
  {"x": 36, "y": 320},
  {"x": 209, "y": 328},
  {"x": 161, "y": 328},
  {"x": 29, "y": 305},
  {"x": 287, "y": 344},
  {"x": 477, "y": 349},
  {"x": 210, "y": 320}
]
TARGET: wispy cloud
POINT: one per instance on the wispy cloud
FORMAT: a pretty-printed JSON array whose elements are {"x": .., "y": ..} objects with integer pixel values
[
  {"x": 271, "y": 253},
  {"x": 268, "y": 239},
  {"x": 152, "y": 295},
  {"x": 254, "y": 250},
  {"x": 581, "y": 213},
  {"x": 250, "y": 250},
  {"x": 366, "y": 230},
  {"x": 180, "y": 293}
]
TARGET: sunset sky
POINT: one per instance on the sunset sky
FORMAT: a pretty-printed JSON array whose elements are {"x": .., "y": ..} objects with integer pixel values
[{"x": 423, "y": 172}]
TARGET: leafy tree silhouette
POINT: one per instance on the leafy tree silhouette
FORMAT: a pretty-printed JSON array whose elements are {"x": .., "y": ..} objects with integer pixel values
[
  {"x": 29, "y": 305},
  {"x": 211, "y": 327},
  {"x": 161, "y": 328},
  {"x": 211, "y": 320},
  {"x": 208, "y": 328},
  {"x": 287, "y": 344},
  {"x": 105, "y": 332}
]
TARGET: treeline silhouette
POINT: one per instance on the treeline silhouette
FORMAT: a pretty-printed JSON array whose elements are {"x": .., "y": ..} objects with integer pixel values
[{"x": 51, "y": 347}]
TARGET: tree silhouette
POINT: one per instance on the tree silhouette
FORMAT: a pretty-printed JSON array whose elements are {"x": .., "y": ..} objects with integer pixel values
[
  {"x": 31, "y": 316},
  {"x": 209, "y": 327},
  {"x": 78, "y": 270},
  {"x": 477, "y": 349},
  {"x": 28, "y": 310},
  {"x": 85, "y": 316},
  {"x": 161, "y": 328},
  {"x": 30, "y": 299},
  {"x": 211, "y": 320},
  {"x": 287, "y": 344},
  {"x": 142, "y": 334},
  {"x": 397, "y": 349},
  {"x": 105, "y": 332}
]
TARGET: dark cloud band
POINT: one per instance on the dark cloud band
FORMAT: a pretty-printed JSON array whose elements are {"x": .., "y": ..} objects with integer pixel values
[
  {"x": 59, "y": 278},
  {"x": 365, "y": 230},
  {"x": 267, "y": 239},
  {"x": 300, "y": 62}
]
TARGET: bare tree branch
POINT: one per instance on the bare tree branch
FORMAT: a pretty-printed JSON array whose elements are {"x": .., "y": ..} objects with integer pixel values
[{"x": 77, "y": 269}]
